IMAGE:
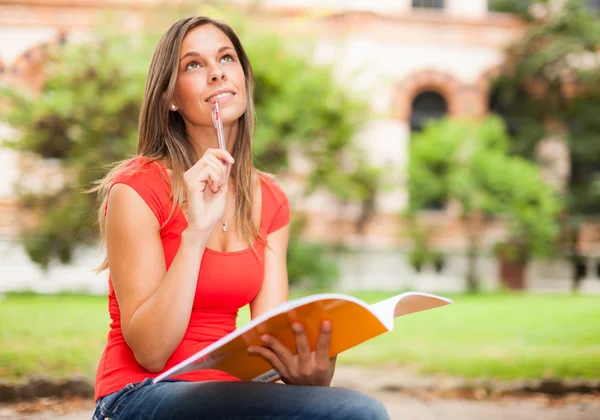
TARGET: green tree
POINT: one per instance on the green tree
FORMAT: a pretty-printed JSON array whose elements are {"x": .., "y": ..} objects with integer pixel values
[
  {"x": 516, "y": 7},
  {"x": 86, "y": 116},
  {"x": 467, "y": 162},
  {"x": 551, "y": 79},
  {"x": 305, "y": 268}
]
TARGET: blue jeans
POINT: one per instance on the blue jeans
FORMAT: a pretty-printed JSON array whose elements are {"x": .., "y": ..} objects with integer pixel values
[{"x": 235, "y": 400}]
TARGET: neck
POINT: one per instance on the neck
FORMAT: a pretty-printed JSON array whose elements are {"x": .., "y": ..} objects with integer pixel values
[{"x": 204, "y": 138}]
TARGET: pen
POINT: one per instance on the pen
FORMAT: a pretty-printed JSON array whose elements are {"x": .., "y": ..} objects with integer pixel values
[{"x": 216, "y": 118}]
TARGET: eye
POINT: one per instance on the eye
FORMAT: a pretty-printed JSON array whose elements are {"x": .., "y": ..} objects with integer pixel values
[
  {"x": 227, "y": 57},
  {"x": 192, "y": 65}
]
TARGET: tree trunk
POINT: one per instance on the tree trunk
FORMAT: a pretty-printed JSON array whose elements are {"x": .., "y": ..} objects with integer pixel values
[
  {"x": 575, "y": 257},
  {"x": 472, "y": 280},
  {"x": 367, "y": 211},
  {"x": 472, "y": 253}
]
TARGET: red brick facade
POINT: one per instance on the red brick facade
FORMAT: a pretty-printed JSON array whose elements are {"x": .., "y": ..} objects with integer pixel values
[{"x": 493, "y": 31}]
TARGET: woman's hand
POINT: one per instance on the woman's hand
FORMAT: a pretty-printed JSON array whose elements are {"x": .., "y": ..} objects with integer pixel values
[
  {"x": 305, "y": 368},
  {"x": 206, "y": 185}
]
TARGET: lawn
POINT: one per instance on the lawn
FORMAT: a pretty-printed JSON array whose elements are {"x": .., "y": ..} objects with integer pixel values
[{"x": 498, "y": 335}]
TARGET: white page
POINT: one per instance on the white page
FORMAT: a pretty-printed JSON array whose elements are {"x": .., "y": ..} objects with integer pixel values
[{"x": 388, "y": 309}]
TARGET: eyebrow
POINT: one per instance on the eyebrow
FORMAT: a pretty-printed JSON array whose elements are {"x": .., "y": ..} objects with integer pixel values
[{"x": 197, "y": 54}]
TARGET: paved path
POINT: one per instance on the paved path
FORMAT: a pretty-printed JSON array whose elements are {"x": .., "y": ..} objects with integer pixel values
[
  {"x": 402, "y": 407},
  {"x": 407, "y": 408}
]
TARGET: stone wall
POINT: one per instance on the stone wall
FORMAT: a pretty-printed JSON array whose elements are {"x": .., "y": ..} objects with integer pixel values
[{"x": 367, "y": 268}]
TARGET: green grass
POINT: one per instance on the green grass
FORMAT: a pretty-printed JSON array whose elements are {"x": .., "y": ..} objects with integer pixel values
[{"x": 498, "y": 335}]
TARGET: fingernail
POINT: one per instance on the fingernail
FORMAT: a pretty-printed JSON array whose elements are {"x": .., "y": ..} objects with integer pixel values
[
  {"x": 265, "y": 338},
  {"x": 326, "y": 325},
  {"x": 251, "y": 349},
  {"x": 297, "y": 327}
]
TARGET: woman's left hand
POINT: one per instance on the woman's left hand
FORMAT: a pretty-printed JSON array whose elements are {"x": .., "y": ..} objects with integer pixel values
[{"x": 304, "y": 368}]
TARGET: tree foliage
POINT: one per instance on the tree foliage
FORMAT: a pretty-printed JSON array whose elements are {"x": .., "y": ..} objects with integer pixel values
[
  {"x": 553, "y": 74},
  {"x": 86, "y": 117},
  {"x": 552, "y": 78},
  {"x": 515, "y": 7},
  {"x": 468, "y": 162}
]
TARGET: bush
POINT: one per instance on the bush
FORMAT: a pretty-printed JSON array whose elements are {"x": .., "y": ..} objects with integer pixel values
[
  {"x": 86, "y": 118},
  {"x": 309, "y": 266}
]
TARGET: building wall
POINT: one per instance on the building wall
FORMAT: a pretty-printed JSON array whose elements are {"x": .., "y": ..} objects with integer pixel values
[
  {"x": 382, "y": 50},
  {"x": 395, "y": 51},
  {"x": 377, "y": 268}
]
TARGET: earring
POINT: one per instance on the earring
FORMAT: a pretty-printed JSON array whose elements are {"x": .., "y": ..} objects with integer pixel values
[{"x": 173, "y": 107}]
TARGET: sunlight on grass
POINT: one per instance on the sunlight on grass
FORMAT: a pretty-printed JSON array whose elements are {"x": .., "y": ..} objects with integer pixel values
[{"x": 497, "y": 335}]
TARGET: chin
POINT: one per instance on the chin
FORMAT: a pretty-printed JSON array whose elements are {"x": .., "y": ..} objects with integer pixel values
[{"x": 232, "y": 113}]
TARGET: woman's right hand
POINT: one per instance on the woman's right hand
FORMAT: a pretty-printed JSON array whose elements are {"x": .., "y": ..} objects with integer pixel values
[{"x": 206, "y": 185}]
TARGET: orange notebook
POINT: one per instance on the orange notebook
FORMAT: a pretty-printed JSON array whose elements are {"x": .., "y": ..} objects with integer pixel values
[{"x": 352, "y": 322}]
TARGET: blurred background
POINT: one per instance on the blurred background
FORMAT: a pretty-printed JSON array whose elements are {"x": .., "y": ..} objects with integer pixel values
[{"x": 445, "y": 146}]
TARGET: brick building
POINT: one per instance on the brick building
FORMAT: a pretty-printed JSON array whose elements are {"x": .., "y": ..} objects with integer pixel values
[{"x": 415, "y": 58}]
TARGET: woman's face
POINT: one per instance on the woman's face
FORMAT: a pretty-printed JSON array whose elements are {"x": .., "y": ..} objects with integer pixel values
[{"x": 209, "y": 68}]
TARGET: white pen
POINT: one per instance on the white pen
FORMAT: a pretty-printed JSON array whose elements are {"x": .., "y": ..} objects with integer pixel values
[{"x": 216, "y": 118}]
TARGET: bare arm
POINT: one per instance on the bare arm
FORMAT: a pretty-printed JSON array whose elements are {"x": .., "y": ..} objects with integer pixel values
[
  {"x": 155, "y": 304},
  {"x": 274, "y": 290}
]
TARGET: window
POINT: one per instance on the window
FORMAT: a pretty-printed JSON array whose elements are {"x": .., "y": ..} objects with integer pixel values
[
  {"x": 508, "y": 6},
  {"x": 497, "y": 6},
  {"x": 427, "y": 105},
  {"x": 580, "y": 267},
  {"x": 428, "y": 4}
]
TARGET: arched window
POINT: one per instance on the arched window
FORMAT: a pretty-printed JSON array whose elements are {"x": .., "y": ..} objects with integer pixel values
[
  {"x": 425, "y": 106},
  {"x": 508, "y": 6},
  {"x": 428, "y": 4}
]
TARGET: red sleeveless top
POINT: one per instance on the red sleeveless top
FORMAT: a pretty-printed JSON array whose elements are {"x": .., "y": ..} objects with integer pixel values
[{"x": 227, "y": 281}]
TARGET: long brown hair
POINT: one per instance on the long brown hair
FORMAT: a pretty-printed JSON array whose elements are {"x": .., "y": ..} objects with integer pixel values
[{"x": 162, "y": 135}]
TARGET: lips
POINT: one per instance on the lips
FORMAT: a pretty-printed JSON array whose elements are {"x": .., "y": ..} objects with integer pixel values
[{"x": 220, "y": 94}]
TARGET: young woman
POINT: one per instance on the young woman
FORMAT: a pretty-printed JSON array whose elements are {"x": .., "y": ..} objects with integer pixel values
[{"x": 193, "y": 233}]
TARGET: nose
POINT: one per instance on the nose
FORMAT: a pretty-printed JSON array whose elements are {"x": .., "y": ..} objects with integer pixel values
[{"x": 217, "y": 74}]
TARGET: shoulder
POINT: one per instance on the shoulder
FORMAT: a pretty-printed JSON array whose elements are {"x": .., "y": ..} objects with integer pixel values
[
  {"x": 149, "y": 179},
  {"x": 276, "y": 207},
  {"x": 141, "y": 168},
  {"x": 271, "y": 186}
]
